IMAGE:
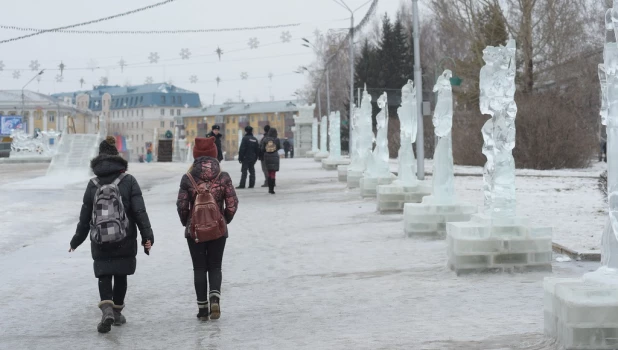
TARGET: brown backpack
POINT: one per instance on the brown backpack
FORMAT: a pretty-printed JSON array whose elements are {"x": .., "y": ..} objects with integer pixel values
[{"x": 207, "y": 223}]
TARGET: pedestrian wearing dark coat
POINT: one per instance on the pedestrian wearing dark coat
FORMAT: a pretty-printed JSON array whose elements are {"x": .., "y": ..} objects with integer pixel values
[
  {"x": 114, "y": 261},
  {"x": 270, "y": 149},
  {"x": 217, "y": 135},
  {"x": 206, "y": 256},
  {"x": 264, "y": 170},
  {"x": 247, "y": 156},
  {"x": 286, "y": 147}
]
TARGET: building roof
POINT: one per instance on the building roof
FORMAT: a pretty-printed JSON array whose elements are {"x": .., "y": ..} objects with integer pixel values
[
  {"x": 148, "y": 95},
  {"x": 246, "y": 108},
  {"x": 12, "y": 99}
]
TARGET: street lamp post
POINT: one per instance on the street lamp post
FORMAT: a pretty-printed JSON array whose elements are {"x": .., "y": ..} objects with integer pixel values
[
  {"x": 420, "y": 139},
  {"x": 23, "y": 98}
]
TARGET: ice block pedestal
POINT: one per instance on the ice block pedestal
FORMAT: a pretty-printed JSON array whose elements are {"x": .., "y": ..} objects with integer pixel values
[
  {"x": 393, "y": 197},
  {"x": 429, "y": 217},
  {"x": 582, "y": 313},
  {"x": 354, "y": 177},
  {"x": 369, "y": 185},
  {"x": 342, "y": 173},
  {"x": 486, "y": 244},
  {"x": 333, "y": 164}
]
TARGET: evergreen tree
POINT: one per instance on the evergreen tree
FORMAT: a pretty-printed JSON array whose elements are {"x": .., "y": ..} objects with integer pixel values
[
  {"x": 405, "y": 61},
  {"x": 366, "y": 69}
]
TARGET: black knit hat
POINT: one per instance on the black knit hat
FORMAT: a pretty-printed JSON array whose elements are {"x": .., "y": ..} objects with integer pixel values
[
  {"x": 216, "y": 127},
  {"x": 108, "y": 146},
  {"x": 248, "y": 128}
]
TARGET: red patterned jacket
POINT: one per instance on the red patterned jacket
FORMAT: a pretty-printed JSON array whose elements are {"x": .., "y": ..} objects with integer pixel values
[{"x": 206, "y": 170}]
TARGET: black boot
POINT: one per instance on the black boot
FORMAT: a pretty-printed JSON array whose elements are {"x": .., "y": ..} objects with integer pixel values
[
  {"x": 107, "y": 319},
  {"x": 271, "y": 186},
  {"x": 119, "y": 318},
  {"x": 243, "y": 180},
  {"x": 202, "y": 314},
  {"x": 215, "y": 307},
  {"x": 251, "y": 182}
]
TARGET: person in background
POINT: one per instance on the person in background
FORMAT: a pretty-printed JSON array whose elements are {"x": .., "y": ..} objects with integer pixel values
[
  {"x": 206, "y": 256},
  {"x": 113, "y": 260},
  {"x": 215, "y": 132},
  {"x": 286, "y": 147},
  {"x": 270, "y": 149},
  {"x": 292, "y": 151},
  {"x": 264, "y": 170},
  {"x": 248, "y": 156}
]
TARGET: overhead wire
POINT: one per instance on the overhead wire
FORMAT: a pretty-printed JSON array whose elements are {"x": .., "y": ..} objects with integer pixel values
[{"x": 88, "y": 22}]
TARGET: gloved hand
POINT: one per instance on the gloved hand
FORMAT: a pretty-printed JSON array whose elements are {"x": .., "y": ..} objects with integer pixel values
[{"x": 240, "y": 161}]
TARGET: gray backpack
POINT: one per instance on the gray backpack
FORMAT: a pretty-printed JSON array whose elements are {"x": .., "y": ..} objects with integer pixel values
[{"x": 109, "y": 221}]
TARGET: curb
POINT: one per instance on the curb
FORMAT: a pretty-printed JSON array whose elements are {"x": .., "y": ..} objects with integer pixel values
[{"x": 557, "y": 248}]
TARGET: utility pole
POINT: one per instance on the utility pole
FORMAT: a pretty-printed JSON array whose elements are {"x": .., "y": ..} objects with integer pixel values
[
  {"x": 420, "y": 140},
  {"x": 351, "y": 80},
  {"x": 319, "y": 104}
]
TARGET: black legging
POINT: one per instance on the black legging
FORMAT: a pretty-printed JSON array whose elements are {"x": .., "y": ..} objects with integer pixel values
[
  {"x": 115, "y": 293},
  {"x": 206, "y": 257}
]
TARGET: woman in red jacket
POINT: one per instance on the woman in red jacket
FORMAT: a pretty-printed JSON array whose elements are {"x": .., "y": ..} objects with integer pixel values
[{"x": 207, "y": 256}]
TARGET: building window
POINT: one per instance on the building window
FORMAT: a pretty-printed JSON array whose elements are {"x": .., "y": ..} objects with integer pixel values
[
  {"x": 172, "y": 112},
  {"x": 171, "y": 124},
  {"x": 173, "y": 99},
  {"x": 142, "y": 128},
  {"x": 141, "y": 99},
  {"x": 162, "y": 99},
  {"x": 131, "y": 101},
  {"x": 142, "y": 112},
  {"x": 162, "y": 124},
  {"x": 179, "y": 100},
  {"x": 123, "y": 114},
  {"x": 132, "y": 125},
  {"x": 178, "y": 112},
  {"x": 162, "y": 111}
]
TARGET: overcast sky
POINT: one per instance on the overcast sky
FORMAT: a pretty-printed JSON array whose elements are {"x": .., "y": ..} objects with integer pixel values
[{"x": 76, "y": 51}]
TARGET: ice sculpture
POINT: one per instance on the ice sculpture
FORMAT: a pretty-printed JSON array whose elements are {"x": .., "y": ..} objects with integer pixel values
[
  {"x": 314, "y": 136},
  {"x": 608, "y": 76},
  {"x": 407, "y": 113},
  {"x": 497, "y": 98},
  {"x": 323, "y": 133},
  {"x": 25, "y": 145},
  {"x": 377, "y": 166},
  {"x": 364, "y": 134},
  {"x": 240, "y": 136},
  {"x": 334, "y": 131},
  {"x": 443, "y": 174}
]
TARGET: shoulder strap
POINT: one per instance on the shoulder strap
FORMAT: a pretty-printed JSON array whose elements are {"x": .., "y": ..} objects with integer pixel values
[
  {"x": 95, "y": 181},
  {"x": 119, "y": 178},
  {"x": 193, "y": 181},
  {"x": 213, "y": 181}
]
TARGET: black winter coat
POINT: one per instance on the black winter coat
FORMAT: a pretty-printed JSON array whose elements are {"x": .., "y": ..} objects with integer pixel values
[
  {"x": 218, "y": 144},
  {"x": 271, "y": 159},
  {"x": 249, "y": 149},
  {"x": 114, "y": 258},
  {"x": 286, "y": 146}
]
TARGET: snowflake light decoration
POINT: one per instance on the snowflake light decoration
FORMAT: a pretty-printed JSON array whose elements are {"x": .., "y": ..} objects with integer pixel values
[
  {"x": 62, "y": 67},
  {"x": 254, "y": 43},
  {"x": 218, "y": 80},
  {"x": 81, "y": 82},
  {"x": 59, "y": 78},
  {"x": 186, "y": 105},
  {"x": 92, "y": 64},
  {"x": 103, "y": 80},
  {"x": 149, "y": 80},
  {"x": 1, "y": 66},
  {"x": 185, "y": 54},
  {"x": 154, "y": 57},
  {"x": 219, "y": 52},
  {"x": 16, "y": 74},
  {"x": 244, "y": 75},
  {"x": 122, "y": 63},
  {"x": 270, "y": 76},
  {"x": 286, "y": 37},
  {"x": 34, "y": 65},
  {"x": 96, "y": 103},
  {"x": 193, "y": 79}
]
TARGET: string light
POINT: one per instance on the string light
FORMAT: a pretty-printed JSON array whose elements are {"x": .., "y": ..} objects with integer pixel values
[{"x": 142, "y": 32}]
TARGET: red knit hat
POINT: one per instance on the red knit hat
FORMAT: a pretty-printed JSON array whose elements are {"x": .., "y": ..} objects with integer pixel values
[{"x": 205, "y": 147}]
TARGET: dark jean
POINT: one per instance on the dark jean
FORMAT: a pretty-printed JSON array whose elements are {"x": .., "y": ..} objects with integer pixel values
[
  {"x": 206, "y": 257},
  {"x": 116, "y": 292}
]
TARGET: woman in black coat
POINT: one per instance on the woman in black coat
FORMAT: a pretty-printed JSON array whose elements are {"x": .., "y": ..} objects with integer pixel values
[
  {"x": 270, "y": 149},
  {"x": 114, "y": 260}
]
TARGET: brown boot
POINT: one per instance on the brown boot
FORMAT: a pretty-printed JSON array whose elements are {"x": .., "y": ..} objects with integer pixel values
[
  {"x": 202, "y": 314},
  {"x": 107, "y": 319},
  {"x": 215, "y": 307}
]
